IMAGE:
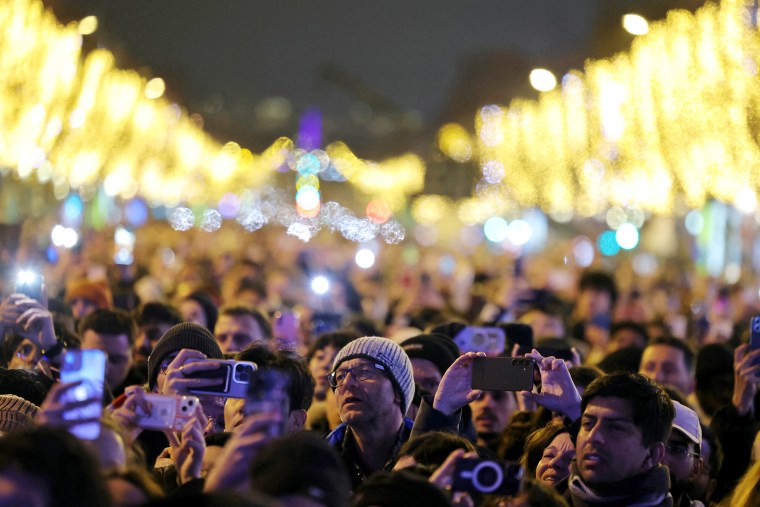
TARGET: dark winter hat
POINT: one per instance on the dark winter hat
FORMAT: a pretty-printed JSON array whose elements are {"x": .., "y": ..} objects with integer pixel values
[
  {"x": 16, "y": 413},
  {"x": 436, "y": 348},
  {"x": 388, "y": 354},
  {"x": 301, "y": 464},
  {"x": 182, "y": 336}
]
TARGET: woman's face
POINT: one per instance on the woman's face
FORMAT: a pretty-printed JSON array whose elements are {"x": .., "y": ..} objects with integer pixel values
[
  {"x": 320, "y": 365},
  {"x": 555, "y": 462},
  {"x": 24, "y": 356}
]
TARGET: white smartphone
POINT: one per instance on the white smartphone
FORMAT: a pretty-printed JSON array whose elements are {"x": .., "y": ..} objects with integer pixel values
[
  {"x": 89, "y": 367},
  {"x": 166, "y": 412}
]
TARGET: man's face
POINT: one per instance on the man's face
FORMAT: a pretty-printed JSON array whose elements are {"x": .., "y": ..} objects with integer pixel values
[
  {"x": 554, "y": 464},
  {"x": 192, "y": 311},
  {"x": 680, "y": 458},
  {"x": 592, "y": 302},
  {"x": 426, "y": 374},
  {"x": 609, "y": 446},
  {"x": 116, "y": 346},
  {"x": 147, "y": 337},
  {"x": 372, "y": 401},
  {"x": 319, "y": 365},
  {"x": 625, "y": 337},
  {"x": 544, "y": 325},
  {"x": 491, "y": 413},
  {"x": 235, "y": 333},
  {"x": 665, "y": 365}
]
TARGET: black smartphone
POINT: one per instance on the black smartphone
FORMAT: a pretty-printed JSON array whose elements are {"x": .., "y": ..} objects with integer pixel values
[
  {"x": 235, "y": 377},
  {"x": 503, "y": 373}
]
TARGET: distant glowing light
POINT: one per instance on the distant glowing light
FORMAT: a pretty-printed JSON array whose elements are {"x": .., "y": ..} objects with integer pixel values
[
  {"x": 645, "y": 264},
  {"x": 542, "y": 80},
  {"x": 583, "y": 251},
  {"x": 182, "y": 219},
  {"x": 454, "y": 141},
  {"x": 694, "y": 222},
  {"x": 87, "y": 25},
  {"x": 64, "y": 236},
  {"x": 496, "y": 229},
  {"x": 365, "y": 259},
  {"x": 607, "y": 243},
  {"x": 136, "y": 212},
  {"x": 320, "y": 285},
  {"x": 378, "y": 211},
  {"x": 124, "y": 237},
  {"x": 300, "y": 231},
  {"x": 72, "y": 210},
  {"x": 635, "y": 24},
  {"x": 493, "y": 171},
  {"x": 627, "y": 236},
  {"x": 746, "y": 200},
  {"x": 308, "y": 198},
  {"x": 211, "y": 221},
  {"x": 733, "y": 273},
  {"x": 229, "y": 206},
  {"x": 308, "y": 164},
  {"x": 616, "y": 217},
  {"x": 155, "y": 88},
  {"x": 519, "y": 232}
]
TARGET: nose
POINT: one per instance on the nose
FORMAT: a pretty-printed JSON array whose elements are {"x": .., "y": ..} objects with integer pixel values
[{"x": 595, "y": 435}]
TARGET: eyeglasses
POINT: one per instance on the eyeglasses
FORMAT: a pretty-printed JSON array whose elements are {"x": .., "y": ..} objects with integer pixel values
[
  {"x": 360, "y": 373},
  {"x": 26, "y": 351},
  {"x": 680, "y": 450}
]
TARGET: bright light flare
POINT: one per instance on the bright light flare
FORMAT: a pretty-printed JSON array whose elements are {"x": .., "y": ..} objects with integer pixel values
[
  {"x": 542, "y": 80},
  {"x": 320, "y": 285},
  {"x": 635, "y": 24},
  {"x": 365, "y": 259}
]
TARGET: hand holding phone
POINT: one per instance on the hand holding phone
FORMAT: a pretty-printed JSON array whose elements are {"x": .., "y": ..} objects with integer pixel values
[
  {"x": 30, "y": 283},
  {"x": 268, "y": 394},
  {"x": 558, "y": 392},
  {"x": 229, "y": 379}
]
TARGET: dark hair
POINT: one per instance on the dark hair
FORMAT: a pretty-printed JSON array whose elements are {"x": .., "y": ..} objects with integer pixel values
[
  {"x": 535, "y": 444},
  {"x": 302, "y": 384},
  {"x": 626, "y": 359},
  {"x": 583, "y": 375},
  {"x": 110, "y": 322},
  {"x": 62, "y": 463},
  {"x": 252, "y": 285},
  {"x": 539, "y": 495},
  {"x": 30, "y": 385},
  {"x": 336, "y": 339},
  {"x": 140, "y": 478},
  {"x": 242, "y": 311},
  {"x": 431, "y": 449},
  {"x": 670, "y": 341},
  {"x": 157, "y": 313},
  {"x": 599, "y": 280},
  {"x": 651, "y": 408},
  {"x": 208, "y": 307},
  {"x": 633, "y": 326}
]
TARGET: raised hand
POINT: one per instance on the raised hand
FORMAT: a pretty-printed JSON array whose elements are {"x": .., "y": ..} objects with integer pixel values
[
  {"x": 455, "y": 390},
  {"x": 746, "y": 378},
  {"x": 558, "y": 392}
]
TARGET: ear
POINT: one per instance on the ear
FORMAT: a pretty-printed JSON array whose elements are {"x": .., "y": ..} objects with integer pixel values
[
  {"x": 655, "y": 455},
  {"x": 696, "y": 468},
  {"x": 296, "y": 421}
]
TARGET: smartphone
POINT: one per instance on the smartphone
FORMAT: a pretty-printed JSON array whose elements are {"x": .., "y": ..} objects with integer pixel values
[
  {"x": 325, "y": 322},
  {"x": 488, "y": 476},
  {"x": 89, "y": 367},
  {"x": 166, "y": 412},
  {"x": 235, "y": 377},
  {"x": 491, "y": 340},
  {"x": 754, "y": 333},
  {"x": 503, "y": 373},
  {"x": 29, "y": 283},
  {"x": 268, "y": 392}
]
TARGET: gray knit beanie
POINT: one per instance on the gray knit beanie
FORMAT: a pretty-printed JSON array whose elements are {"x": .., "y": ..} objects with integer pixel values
[
  {"x": 186, "y": 335},
  {"x": 16, "y": 413},
  {"x": 388, "y": 354}
]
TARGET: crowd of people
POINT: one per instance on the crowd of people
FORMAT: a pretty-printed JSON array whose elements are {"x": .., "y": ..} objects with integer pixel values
[{"x": 363, "y": 394}]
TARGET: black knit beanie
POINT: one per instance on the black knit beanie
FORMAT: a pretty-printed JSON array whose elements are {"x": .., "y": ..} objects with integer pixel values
[
  {"x": 437, "y": 348},
  {"x": 187, "y": 335}
]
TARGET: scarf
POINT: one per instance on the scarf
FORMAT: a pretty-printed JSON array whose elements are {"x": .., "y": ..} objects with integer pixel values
[{"x": 649, "y": 489}]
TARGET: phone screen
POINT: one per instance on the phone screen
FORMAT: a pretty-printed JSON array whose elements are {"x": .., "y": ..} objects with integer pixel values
[
  {"x": 268, "y": 392},
  {"x": 222, "y": 373},
  {"x": 29, "y": 283},
  {"x": 503, "y": 373},
  {"x": 89, "y": 367}
]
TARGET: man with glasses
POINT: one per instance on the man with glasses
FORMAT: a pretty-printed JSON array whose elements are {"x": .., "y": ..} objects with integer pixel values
[
  {"x": 373, "y": 382},
  {"x": 682, "y": 453}
]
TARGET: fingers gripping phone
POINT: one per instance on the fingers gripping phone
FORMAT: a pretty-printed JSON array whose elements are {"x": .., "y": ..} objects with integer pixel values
[
  {"x": 166, "y": 412},
  {"x": 234, "y": 377},
  {"x": 89, "y": 368},
  {"x": 503, "y": 373}
]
